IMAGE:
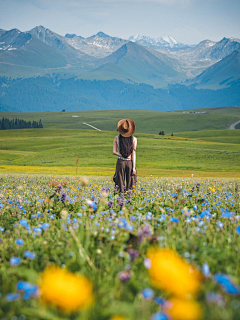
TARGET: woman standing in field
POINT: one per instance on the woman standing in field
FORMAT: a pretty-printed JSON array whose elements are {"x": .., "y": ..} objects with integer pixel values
[{"x": 124, "y": 146}]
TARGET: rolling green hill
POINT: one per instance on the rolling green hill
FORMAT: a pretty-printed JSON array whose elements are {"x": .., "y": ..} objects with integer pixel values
[
  {"x": 55, "y": 149},
  {"x": 146, "y": 121}
]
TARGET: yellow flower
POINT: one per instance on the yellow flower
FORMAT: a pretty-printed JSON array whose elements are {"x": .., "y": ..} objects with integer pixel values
[
  {"x": 178, "y": 309},
  {"x": 65, "y": 290},
  {"x": 171, "y": 273}
]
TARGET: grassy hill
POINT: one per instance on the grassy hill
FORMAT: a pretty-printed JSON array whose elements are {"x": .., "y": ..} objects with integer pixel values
[
  {"x": 55, "y": 150},
  {"x": 146, "y": 121}
]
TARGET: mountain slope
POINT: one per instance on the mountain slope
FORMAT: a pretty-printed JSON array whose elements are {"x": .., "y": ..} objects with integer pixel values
[
  {"x": 222, "y": 74},
  {"x": 194, "y": 60},
  {"x": 59, "y": 44},
  {"x": 20, "y": 48},
  {"x": 133, "y": 62},
  {"x": 98, "y": 46}
]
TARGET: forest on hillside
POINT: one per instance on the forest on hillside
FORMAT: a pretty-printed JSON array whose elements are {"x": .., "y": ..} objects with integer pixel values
[{"x": 52, "y": 93}]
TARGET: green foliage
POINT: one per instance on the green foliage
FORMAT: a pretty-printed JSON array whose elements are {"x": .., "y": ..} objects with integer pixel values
[{"x": 6, "y": 124}]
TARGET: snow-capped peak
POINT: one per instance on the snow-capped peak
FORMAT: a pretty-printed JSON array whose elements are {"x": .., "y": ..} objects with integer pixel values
[
  {"x": 170, "y": 40},
  {"x": 166, "y": 41}
]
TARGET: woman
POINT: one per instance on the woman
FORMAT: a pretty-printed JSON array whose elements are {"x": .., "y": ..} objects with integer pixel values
[{"x": 124, "y": 146}]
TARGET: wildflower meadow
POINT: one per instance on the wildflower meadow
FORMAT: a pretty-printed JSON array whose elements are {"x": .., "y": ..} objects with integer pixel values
[{"x": 75, "y": 248}]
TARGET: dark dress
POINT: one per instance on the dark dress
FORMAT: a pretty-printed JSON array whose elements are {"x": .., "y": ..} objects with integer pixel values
[{"x": 124, "y": 169}]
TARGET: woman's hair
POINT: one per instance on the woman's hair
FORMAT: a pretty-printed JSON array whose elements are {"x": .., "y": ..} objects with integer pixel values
[{"x": 125, "y": 145}]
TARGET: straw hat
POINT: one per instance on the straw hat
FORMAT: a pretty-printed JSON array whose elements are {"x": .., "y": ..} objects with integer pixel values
[{"x": 126, "y": 127}]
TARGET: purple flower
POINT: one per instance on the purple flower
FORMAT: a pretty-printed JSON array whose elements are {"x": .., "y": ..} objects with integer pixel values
[
  {"x": 116, "y": 188},
  {"x": 125, "y": 275},
  {"x": 110, "y": 203},
  {"x": 19, "y": 242},
  {"x": 12, "y": 297},
  {"x": 59, "y": 187},
  {"x": 63, "y": 197},
  {"x": 215, "y": 297},
  {"x": 147, "y": 263},
  {"x": 133, "y": 254},
  {"x": 145, "y": 232},
  {"x": 30, "y": 255},
  {"x": 14, "y": 261},
  {"x": 147, "y": 293}
]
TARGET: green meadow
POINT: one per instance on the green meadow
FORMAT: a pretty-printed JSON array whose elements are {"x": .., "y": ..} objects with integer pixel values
[
  {"x": 208, "y": 153},
  {"x": 146, "y": 121}
]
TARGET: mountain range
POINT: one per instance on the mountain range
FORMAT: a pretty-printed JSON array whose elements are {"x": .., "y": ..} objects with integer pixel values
[{"x": 159, "y": 63}]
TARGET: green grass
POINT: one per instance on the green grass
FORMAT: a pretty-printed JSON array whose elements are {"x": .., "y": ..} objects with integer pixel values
[
  {"x": 220, "y": 110},
  {"x": 146, "y": 121},
  {"x": 61, "y": 148}
]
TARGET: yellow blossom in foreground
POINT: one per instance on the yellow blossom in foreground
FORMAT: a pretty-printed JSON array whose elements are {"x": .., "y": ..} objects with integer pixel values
[
  {"x": 178, "y": 309},
  {"x": 65, "y": 290},
  {"x": 171, "y": 273}
]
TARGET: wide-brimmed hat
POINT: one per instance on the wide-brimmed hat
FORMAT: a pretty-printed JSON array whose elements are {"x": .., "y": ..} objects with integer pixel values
[{"x": 126, "y": 127}]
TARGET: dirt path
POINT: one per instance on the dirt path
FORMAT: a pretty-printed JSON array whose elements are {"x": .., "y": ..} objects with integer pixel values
[{"x": 232, "y": 127}]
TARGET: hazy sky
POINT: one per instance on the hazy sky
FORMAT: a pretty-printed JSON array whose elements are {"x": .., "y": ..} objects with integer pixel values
[{"x": 188, "y": 21}]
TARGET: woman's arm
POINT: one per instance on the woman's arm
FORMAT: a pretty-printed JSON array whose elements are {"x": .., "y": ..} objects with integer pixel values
[
  {"x": 115, "y": 148},
  {"x": 134, "y": 155}
]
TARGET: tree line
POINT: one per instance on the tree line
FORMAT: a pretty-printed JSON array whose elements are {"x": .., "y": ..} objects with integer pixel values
[{"x": 6, "y": 124}]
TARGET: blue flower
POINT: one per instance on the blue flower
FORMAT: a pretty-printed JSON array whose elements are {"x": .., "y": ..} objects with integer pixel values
[
  {"x": 228, "y": 214},
  {"x": 149, "y": 215},
  {"x": 45, "y": 226},
  {"x": 159, "y": 300},
  {"x": 226, "y": 283},
  {"x": 159, "y": 316},
  {"x": 238, "y": 230},
  {"x": 12, "y": 297},
  {"x": 206, "y": 270},
  {"x": 20, "y": 242},
  {"x": 23, "y": 223},
  {"x": 30, "y": 255},
  {"x": 37, "y": 230},
  {"x": 147, "y": 293},
  {"x": 14, "y": 261},
  {"x": 174, "y": 220},
  {"x": 28, "y": 289},
  {"x": 2, "y": 229}
]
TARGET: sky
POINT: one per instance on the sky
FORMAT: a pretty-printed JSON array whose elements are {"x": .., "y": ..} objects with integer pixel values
[{"x": 188, "y": 21}]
